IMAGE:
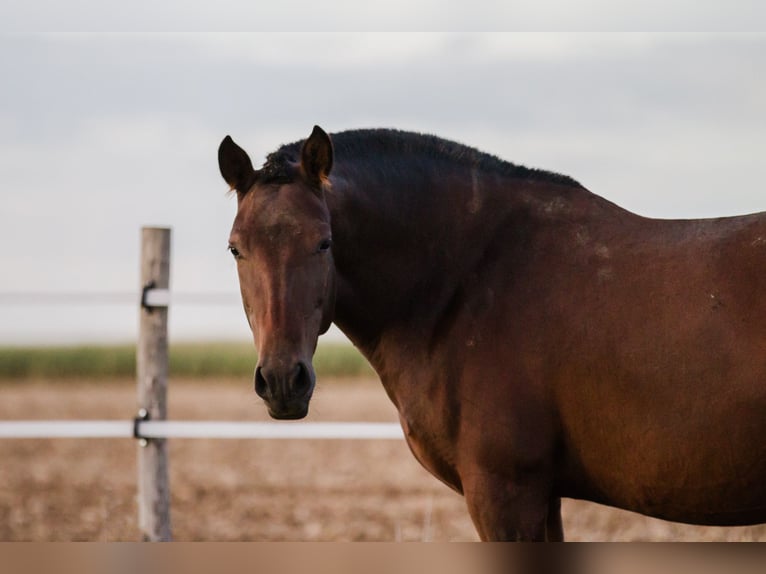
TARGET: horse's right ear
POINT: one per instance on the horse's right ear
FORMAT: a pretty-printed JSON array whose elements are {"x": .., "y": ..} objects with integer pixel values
[
  {"x": 316, "y": 156},
  {"x": 235, "y": 165}
]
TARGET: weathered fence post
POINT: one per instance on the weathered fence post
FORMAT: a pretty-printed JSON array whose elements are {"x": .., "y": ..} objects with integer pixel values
[{"x": 152, "y": 378}]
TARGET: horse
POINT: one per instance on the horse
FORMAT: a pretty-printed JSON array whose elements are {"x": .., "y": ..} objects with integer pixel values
[{"x": 537, "y": 340}]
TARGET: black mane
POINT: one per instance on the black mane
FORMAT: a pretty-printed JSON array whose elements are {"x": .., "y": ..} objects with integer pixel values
[{"x": 278, "y": 167}]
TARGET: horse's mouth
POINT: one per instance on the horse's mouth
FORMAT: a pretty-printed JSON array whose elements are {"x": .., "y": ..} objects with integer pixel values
[{"x": 289, "y": 414}]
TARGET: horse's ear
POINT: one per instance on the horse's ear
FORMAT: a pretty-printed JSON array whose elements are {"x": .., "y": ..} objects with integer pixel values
[
  {"x": 235, "y": 165},
  {"x": 316, "y": 156}
]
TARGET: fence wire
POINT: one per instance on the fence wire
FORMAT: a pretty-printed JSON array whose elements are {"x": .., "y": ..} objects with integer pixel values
[
  {"x": 188, "y": 298},
  {"x": 147, "y": 429}
]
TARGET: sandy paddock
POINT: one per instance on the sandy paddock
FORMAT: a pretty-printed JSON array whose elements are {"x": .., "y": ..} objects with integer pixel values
[{"x": 63, "y": 489}]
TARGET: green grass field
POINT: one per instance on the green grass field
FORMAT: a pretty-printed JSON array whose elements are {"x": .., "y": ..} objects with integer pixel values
[{"x": 193, "y": 360}]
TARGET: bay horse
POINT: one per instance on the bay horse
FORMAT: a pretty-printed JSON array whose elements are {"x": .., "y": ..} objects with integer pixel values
[{"x": 537, "y": 340}]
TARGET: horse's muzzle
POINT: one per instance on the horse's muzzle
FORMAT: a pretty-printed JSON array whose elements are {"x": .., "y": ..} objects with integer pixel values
[{"x": 286, "y": 391}]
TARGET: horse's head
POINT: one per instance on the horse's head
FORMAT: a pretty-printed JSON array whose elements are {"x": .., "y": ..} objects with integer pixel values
[{"x": 281, "y": 240}]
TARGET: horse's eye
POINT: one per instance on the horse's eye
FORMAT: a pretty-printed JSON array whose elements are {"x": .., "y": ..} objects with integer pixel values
[
  {"x": 234, "y": 252},
  {"x": 324, "y": 245}
]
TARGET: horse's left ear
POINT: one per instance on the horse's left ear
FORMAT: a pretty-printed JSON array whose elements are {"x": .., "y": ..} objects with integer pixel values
[{"x": 316, "y": 156}]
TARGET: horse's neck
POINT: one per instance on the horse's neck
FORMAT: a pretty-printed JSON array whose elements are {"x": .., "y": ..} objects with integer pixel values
[
  {"x": 401, "y": 248},
  {"x": 370, "y": 284}
]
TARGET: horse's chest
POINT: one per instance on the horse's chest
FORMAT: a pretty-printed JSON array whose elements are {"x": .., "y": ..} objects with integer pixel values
[{"x": 433, "y": 450}]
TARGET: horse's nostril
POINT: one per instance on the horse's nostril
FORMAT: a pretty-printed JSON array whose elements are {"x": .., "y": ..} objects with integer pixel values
[
  {"x": 261, "y": 387},
  {"x": 302, "y": 381}
]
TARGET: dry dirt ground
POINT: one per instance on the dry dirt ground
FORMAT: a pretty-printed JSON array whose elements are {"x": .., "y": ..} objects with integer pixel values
[{"x": 339, "y": 490}]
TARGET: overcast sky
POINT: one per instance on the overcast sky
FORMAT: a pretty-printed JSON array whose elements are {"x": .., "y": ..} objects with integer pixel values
[{"x": 103, "y": 133}]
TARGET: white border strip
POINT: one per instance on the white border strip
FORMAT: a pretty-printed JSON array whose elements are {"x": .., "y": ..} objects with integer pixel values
[{"x": 200, "y": 429}]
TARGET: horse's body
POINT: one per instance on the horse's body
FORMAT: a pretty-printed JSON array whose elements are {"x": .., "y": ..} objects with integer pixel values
[{"x": 537, "y": 340}]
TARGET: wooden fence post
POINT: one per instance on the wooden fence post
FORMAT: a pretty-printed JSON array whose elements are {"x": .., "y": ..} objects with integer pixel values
[{"x": 152, "y": 378}]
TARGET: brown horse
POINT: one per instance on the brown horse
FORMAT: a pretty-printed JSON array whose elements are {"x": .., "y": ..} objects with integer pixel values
[{"x": 537, "y": 340}]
